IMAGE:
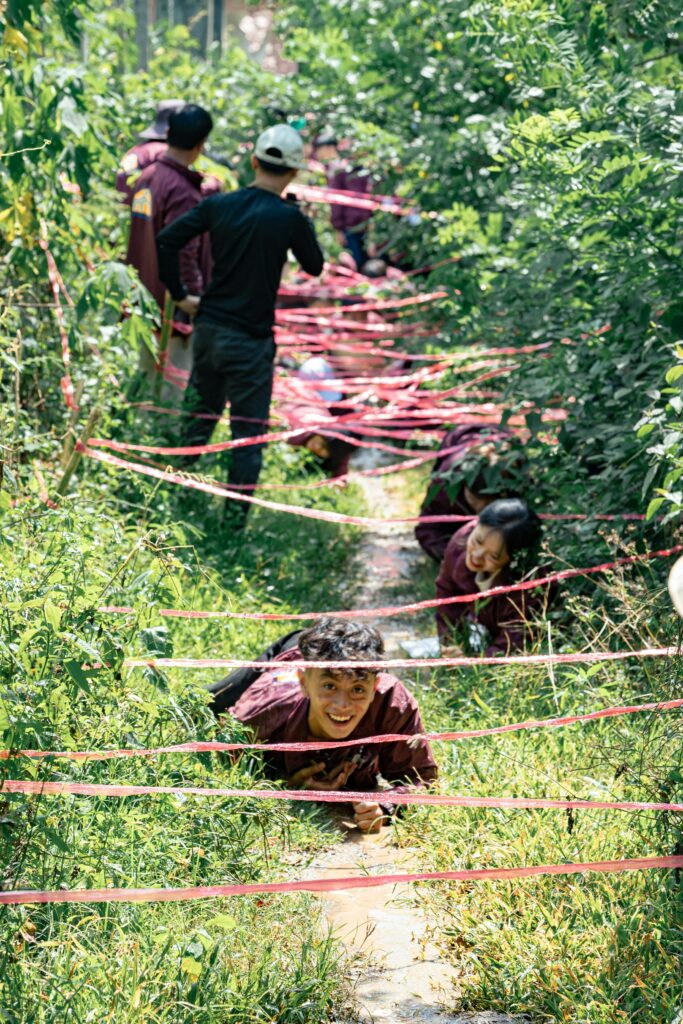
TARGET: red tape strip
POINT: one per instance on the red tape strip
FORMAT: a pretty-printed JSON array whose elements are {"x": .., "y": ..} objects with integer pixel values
[
  {"x": 337, "y": 797},
  {"x": 576, "y": 658},
  {"x": 216, "y": 746},
  {"x": 365, "y": 307},
  {"x": 54, "y": 277},
  {"x": 333, "y": 884}
]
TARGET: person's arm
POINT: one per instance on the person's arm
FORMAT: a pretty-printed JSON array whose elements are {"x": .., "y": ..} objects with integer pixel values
[
  {"x": 408, "y": 764},
  {"x": 448, "y": 615},
  {"x": 404, "y": 765},
  {"x": 306, "y": 248},
  {"x": 512, "y": 624},
  {"x": 175, "y": 237},
  {"x": 191, "y": 275}
]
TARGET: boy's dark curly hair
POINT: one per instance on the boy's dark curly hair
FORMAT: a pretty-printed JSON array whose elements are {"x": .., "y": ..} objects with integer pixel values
[{"x": 341, "y": 640}]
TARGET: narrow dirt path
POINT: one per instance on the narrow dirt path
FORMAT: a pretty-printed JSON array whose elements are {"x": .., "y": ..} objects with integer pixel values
[{"x": 401, "y": 978}]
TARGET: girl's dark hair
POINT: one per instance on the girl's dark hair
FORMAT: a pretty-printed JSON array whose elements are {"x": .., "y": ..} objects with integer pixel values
[{"x": 520, "y": 526}]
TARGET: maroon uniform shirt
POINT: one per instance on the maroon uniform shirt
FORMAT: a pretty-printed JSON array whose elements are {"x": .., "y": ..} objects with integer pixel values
[
  {"x": 434, "y": 537},
  {"x": 134, "y": 162},
  {"x": 344, "y": 218},
  {"x": 163, "y": 192},
  {"x": 506, "y": 616},
  {"x": 276, "y": 709},
  {"x": 142, "y": 155}
]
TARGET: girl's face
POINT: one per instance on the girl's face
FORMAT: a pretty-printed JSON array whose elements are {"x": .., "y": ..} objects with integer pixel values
[{"x": 486, "y": 551}]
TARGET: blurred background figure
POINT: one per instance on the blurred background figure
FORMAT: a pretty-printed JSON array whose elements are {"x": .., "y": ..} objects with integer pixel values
[
  {"x": 676, "y": 586},
  {"x": 164, "y": 191},
  {"x": 151, "y": 145},
  {"x": 350, "y": 222}
]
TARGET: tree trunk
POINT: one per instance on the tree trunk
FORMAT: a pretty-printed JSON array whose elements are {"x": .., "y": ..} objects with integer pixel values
[{"x": 141, "y": 10}]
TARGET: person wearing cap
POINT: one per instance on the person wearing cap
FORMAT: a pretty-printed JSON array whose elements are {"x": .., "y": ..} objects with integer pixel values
[
  {"x": 164, "y": 191},
  {"x": 251, "y": 232},
  {"x": 151, "y": 145}
]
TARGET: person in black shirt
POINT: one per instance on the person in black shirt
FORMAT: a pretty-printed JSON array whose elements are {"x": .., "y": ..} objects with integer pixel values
[{"x": 251, "y": 232}]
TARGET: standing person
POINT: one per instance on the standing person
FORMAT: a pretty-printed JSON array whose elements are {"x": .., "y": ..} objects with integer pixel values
[
  {"x": 351, "y": 222},
  {"x": 251, "y": 232},
  {"x": 164, "y": 191},
  {"x": 151, "y": 145}
]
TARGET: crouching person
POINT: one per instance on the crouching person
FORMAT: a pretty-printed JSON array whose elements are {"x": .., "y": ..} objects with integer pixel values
[{"x": 288, "y": 705}]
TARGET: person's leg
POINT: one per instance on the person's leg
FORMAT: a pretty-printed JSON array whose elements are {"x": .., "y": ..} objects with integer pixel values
[
  {"x": 207, "y": 389},
  {"x": 226, "y": 692},
  {"x": 178, "y": 364},
  {"x": 355, "y": 243},
  {"x": 250, "y": 389}
]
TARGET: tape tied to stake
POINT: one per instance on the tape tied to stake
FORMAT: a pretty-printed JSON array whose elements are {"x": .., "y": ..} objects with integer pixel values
[{"x": 333, "y": 884}]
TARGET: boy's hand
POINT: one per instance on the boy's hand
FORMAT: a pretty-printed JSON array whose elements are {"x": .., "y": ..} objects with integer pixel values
[
  {"x": 452, "y": 651},
  {"x": 305, "y": 778},
  {"x": 189, "y": 305},
  {"x": 369, "y": 817}
]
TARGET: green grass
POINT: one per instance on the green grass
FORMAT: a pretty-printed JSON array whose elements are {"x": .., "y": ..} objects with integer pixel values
[
  {"x": 584, "y": 949},
  {"x": 593, "y": 949},
  {"x": 239, "y": 960}
]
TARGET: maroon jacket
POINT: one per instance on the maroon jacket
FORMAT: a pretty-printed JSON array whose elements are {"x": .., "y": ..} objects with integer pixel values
[
  {"x": 134, "y": 162},
  {"x": 434, "y": 537},
  {"x": 506, "y": 617},
  {"x": 276, "y": 709},
  {"x": 355, "y": 180},
  {"x": 142, "y": 155},
  {"x": 163, "y": 192}
]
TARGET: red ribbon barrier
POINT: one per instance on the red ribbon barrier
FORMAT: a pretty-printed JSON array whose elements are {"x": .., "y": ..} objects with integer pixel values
[
  {"x": 332, "y": 884},
  {"x": 365, "y": 307},
  {"x": 218, "y": 746},
  {"x": 421, "y": 799},
  {"x": 575, "y": 658},
  {"x": 344, "y": 197},
  {"x": 338, "y": 517},
  {"x": 54, "y": 277}
]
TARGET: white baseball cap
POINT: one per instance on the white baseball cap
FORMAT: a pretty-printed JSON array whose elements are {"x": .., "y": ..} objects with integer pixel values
[{"x": 281, "y": 145}]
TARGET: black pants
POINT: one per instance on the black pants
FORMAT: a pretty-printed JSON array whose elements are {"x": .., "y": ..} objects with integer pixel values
[
  {"x": 230, "y": 366},
  {"x": 228, "y": 691}
]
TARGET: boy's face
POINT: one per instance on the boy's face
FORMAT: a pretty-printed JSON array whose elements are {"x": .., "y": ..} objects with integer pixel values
[{"x": 338, "y": 700}]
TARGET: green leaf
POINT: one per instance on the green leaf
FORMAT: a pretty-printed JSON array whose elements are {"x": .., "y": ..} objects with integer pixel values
[
  {"x": 223, "y": 921},
  {"x": 191, "y": 967},
  {"x": 52, "y": 614},
  {"x": 78, "y": 675},
  {"x": 674, "y": 374},
  {"x": 654, "y": 507},
  {"x": 71, "y": 117}
]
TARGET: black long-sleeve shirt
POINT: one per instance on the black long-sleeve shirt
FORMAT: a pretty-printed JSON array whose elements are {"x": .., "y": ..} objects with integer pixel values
[{"x": 251, "y": 232}]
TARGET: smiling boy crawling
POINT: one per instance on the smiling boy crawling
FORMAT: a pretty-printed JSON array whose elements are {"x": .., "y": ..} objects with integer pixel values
[{"x": 289, "y": 705}]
